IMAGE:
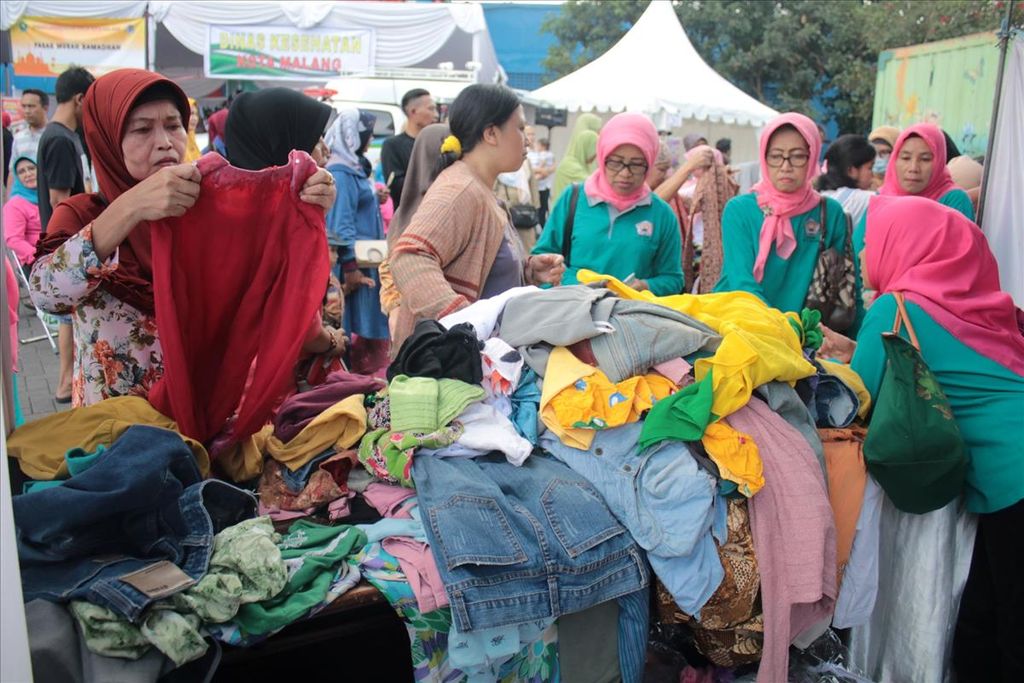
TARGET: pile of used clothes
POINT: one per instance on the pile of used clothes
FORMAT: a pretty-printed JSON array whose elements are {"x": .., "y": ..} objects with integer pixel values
[{"x": 529, "y": 459}]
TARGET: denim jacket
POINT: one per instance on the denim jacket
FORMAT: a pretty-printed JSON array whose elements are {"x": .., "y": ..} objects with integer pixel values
[
  {"x": 517, "y": 544},
  {"x": 143, "y": 501}
]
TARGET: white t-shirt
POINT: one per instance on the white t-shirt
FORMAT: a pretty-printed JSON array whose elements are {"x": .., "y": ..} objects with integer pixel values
[
  {"x": 539, "y": 159},
  {"x": 854, "y": 201}
]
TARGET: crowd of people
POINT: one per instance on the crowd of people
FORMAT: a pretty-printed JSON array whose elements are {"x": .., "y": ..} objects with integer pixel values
[{"x": 706, "y": 295}]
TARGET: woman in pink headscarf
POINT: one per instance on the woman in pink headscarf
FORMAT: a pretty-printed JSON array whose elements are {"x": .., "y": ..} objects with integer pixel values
[
  {"x": 970, "y": 335},
  {"x": 917, "y": 167},
  {"x": 620, "y": 227},
  {"x": 771, "y": 237}
]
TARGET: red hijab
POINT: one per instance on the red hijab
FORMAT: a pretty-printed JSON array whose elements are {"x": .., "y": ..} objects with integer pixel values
[
  {"x": 107, "y": 104},
  {"x": 779, "y": 207},
  {"x": 950, "y": 273},
  {"x": 941, "y": 181},
  {"x": 216, "y": 124}
]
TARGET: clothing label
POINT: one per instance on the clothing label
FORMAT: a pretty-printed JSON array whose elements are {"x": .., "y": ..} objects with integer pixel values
[
  {"x": 159, "y": 580},
  {"x": 645, "y": 228},
  {"x": 811, "y": 227}
]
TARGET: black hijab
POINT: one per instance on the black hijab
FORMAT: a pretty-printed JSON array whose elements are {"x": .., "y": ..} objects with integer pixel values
[{"x": 265, "y": 126}]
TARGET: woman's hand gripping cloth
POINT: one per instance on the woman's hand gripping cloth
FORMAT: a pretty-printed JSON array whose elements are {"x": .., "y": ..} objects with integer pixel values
[
  {"x": 237, "y": 281},
  {"x": 759, "y": 344}
]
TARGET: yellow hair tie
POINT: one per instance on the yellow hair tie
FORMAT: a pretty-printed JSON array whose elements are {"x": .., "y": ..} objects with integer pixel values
[{"x": 451, "y": 144}]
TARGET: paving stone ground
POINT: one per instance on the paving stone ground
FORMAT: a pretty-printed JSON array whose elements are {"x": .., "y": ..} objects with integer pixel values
[{"x": 38, "y": 367}]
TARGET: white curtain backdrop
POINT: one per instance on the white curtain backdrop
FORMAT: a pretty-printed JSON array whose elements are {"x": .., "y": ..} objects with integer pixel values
[{"x": 1003, "y": 216}]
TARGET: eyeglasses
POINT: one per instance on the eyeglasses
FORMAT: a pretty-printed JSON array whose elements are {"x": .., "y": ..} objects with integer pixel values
[
  {"x": 795, "y": 159},
  {"x": 614, "y": 166}
]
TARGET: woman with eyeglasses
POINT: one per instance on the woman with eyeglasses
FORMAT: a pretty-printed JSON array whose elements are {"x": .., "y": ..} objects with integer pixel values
[
  {"x": 772, "y": 236},
  {"x": 619, "y": 226}
]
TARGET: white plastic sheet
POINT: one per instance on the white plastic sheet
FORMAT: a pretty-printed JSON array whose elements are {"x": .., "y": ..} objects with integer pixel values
[{"x": 1003, "y": 217}]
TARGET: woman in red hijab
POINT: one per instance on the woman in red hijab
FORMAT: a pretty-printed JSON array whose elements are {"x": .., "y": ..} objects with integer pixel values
[{"x": 95, "y": 259}]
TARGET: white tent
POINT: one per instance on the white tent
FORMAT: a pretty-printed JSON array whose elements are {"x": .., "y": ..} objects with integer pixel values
[{"x": 681, "y": 91}]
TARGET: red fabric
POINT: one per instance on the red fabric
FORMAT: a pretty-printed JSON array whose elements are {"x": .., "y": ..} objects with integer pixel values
[
  {"x": 942, "y": 262},
  {"x": 215, "y": 126},
  {"x": 237, "y": 280},
  {"x": 105, "y": 110},
  {"x": 941, "y": 181}
]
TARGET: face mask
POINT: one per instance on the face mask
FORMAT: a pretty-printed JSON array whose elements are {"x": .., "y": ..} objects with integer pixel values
[{"x": 881, "y": 163}]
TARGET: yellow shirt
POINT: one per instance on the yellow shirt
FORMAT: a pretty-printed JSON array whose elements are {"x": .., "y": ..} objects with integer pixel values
[
  {"x": 340, "y": 426},
  {"x": 578, "y": 399},
  {"x": 40, "y": 446},
  {"x": 759, "y": 344}
]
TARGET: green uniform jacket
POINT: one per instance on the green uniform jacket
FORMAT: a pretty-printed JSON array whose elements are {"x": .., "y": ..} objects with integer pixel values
[
  {"x": 785, "y": 281},
  {"x": 987, "y": 400},
  {"x": 644, "y": 241}
]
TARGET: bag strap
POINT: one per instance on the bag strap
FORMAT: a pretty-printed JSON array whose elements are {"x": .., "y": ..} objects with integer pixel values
[
  {"x": 569, "y": 222},
  {"x": 903, "y": 319},
  {"x": 823, "y": 215}
]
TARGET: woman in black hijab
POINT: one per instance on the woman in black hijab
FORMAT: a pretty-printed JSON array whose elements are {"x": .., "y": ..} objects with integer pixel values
[{"x": 262, "y": 129}]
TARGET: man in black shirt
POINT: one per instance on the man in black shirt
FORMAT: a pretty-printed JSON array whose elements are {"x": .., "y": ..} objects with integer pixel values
[
  {"x": 61, "y": 156},
  {"x": 62, "y": 170},
  {"x": 420, "y": 112}
]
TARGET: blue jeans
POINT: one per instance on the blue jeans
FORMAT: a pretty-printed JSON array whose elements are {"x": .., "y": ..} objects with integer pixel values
[
  {"x": 517, "y": 544},
  {"x": 142, "y": 501},
  {"x": 665, "y": 499}
]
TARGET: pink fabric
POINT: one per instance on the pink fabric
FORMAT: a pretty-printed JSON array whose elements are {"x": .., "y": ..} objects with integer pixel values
[
  {"x": 420, "y": 570},
  {"x": 387, "y": 210},
  {"x": 941, "y": 181},
  {"x": 22, "y": 228},
  {"x": 673, "y": 370},
  {"x": 623, "y": 129},
  {"x": 12, "y": 312},
  {"x": 779, "y": 206},
  {"x": 794, "y": 536},
  {"x": 386, "y": 498},
  {"x": 942, "y": 262}
]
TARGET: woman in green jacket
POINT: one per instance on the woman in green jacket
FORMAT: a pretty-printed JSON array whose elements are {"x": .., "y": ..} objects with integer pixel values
[
  {"x": 620, "y": 227},
  {"x": 970, "y": 336},
  {"x": 771, "y": 237},
  {"x": 917, "y": 167}
]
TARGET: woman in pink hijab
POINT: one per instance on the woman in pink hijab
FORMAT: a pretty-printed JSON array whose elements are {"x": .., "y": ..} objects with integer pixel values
[
  {"x": 970, "y": 335},
  {"x": 771, "y": 237},
  {"x": 917, "y": 167},
  {"x": 620, "y": 227}
]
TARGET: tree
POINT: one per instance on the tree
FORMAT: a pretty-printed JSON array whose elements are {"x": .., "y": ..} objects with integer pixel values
[{"x": 815, "y": 56}]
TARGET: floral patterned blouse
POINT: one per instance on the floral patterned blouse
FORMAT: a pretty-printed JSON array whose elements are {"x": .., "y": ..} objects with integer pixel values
[{"x": 117, "y": 352}]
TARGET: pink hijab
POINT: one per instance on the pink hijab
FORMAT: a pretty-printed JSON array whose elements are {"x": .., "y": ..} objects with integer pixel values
[
  {"x": 623, "y": 129},
  {"x": 777, "y": 206},
  {"x": 950, "y": 273},
  {"x": 941, "y": 181}
]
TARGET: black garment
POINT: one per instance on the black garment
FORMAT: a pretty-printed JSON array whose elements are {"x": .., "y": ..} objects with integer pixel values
[
  {"x": 433, "y": 351},
  {"x": 989, "y": 641},
  {"x": 395, "y": 154},
  {"x": 61, "y": 163},
  {"x": 8, "y": 142},
  {"x": 545, "y": 198},
  {"x": 264, "y": 127}
]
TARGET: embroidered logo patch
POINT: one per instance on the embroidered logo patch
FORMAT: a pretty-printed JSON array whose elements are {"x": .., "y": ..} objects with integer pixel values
[
  {"x": 811, "y": 227},
  {"x": 645, "y": 228}
]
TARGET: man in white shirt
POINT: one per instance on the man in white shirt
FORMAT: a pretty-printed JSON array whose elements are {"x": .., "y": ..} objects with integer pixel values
[{"x": 34, "y": 105}]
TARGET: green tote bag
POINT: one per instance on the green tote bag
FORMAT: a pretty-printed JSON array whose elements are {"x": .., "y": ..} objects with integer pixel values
[{"x": 913, "y": 448}]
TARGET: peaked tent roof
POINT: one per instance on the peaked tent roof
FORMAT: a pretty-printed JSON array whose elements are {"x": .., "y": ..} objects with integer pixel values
[{"x": 622, "y": 78}]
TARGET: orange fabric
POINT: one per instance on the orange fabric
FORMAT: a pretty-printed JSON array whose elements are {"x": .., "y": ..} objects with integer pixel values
[{"x": 847, "y": 477}]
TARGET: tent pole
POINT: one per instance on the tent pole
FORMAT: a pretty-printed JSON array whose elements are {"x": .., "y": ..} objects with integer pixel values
[
  {"x": 1004, "y": 44},
  {"x": 150, "y": 42}
]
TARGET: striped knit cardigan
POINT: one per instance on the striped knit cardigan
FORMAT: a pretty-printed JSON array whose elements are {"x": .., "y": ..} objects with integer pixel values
[{"x": 442, "y": 260}]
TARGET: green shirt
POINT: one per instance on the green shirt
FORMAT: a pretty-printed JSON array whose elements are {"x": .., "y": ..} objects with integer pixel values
[
  {"x": 954, "y": 199},
  {"x": 786, "y": 281},
  {"x": 987, "y": 400},
  {"x": 643, "y": 241}
]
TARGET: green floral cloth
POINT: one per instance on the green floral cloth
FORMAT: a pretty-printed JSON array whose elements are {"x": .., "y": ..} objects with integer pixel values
[
  {"x": 388, "y": 455},
  {"x": 312, "y": 553},
  {"x": 245, "y": 567}
]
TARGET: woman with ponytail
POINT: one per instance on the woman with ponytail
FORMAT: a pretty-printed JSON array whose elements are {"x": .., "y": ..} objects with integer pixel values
[{"x": 460, "y": 245}]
